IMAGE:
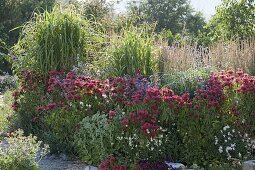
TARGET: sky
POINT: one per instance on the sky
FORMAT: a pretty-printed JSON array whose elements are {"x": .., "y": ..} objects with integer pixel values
[{"x": 207, "y": 7}]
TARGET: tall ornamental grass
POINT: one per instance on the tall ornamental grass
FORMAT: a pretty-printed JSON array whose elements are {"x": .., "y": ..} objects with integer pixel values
[
  {"x": 132, "y": 52},
  {"x": 55, "y": 40},
  {"x": 221, "y": 55}
]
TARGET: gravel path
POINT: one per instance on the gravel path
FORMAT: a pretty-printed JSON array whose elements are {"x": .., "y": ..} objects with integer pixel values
[
  {"x": 53, "y": 162},
  {"x": 1, "y": 100},
  {"x": 58, "y": 163}
]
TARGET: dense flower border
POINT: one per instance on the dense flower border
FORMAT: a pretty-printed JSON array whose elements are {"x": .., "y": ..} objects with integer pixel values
[{"x": 147, "y": 107}]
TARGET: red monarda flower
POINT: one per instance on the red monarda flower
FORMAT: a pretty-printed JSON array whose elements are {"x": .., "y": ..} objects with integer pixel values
[
  {"x": 112, "y": 114},
  {"x": 40, "y": 108}
]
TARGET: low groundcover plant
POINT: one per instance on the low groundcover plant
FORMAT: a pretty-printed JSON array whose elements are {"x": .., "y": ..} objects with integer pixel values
[{"x": 21, "y": 152}]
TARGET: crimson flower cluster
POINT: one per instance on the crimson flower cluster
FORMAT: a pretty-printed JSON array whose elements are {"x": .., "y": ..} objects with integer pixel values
[
  {"x": 29, "y": 81},
  {"x": 129, "y": 91},
  {"x": 152, "y": 98},
  {"x": 141, "y": 99},
  {"x": 72, "y": 87},
  {"x": 240, "y": 81},
  {"x": 212, "y": 93},
  {"x": 111, "y": 164},
  {"x": 152, "y": 165}
]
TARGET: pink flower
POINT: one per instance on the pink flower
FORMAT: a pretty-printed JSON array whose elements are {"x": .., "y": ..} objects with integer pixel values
[
  {"x": 40, "y": 108},
  {"x": 125, "y": 122},
  {"x": 123, "y": 167},
  {"x": 112, "y": 160},
  {"x": 196, "y": 107},
  {"x": 230, "y": 72},
  {"x": 35, "y": 119},
  {"x": 112, "y": 114}
]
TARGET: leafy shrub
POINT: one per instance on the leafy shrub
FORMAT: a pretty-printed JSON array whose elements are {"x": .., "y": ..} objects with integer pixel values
[
  {"x": 70, "y": 98},
  {"x": 5, "y": 65},
  {"x": 94, "y": 10},
  {"x": 26, "y": 99},
  {"x": 7, "y": 82},
  {"x": 215, "y": 105},
  {"x": 166, "y": 36},
  {"x": 152, "y": 122},
  {"x": 112, "y": 163},
  {"x": 232, "y": 144},
  {"x": 95, "y": 139},
  {"x": 54, "y": 40},
  {"x": 188, "y": 125},
  {"x": 6, "y": 112},
  {"x": 20, "y": 152},
  {"x": 188, "y": 81},
  {"x": 153, "y": 165}
]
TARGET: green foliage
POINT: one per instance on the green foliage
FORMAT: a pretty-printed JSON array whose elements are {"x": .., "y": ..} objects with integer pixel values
[
  {"x": 62, "y": 122},
  {"x": 166, "y": 36},
  {"x": 20, "y": 152},
  {"x": 131, "y": 53},
  {"x": 94, "y": 10},
  {"x": 96, "y": 139},
  {"x": 232, "y": 144},
  {"x": 5, "y": 66},
  {"x": 53, "y": 41},
  {"x": 7, "y": 82},
  {"x": 6, "y": 111},
  {"x": 188, "y": 81},
  {"x": 234, "y": 19},
  {"x": 174, "y": 15},
  {"x": 195, "y": 23},
  {"x": 220, "y": 166},
  {"x": 61, "y": 126},
  {"x": 15, "y": 13},
  {"x": 27, "y": 112},
  {"x": 27, "y": 97}
]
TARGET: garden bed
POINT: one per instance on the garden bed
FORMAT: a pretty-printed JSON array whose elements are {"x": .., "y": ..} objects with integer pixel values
[{"x": 118, "y": 97}]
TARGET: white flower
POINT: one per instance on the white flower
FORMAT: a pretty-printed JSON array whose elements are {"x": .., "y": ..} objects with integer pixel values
[
  {"x": 233, "y": 131},
  {"x": 228, "y": 148},
  {"x": 216, "y": 140},
  {"x": 220, "y": 149},
  {"x": 226, "y": 127},
  {"x": 229, "y": 134},
  {"x": 240, "y": 155},
  {"x": 233, "y": 145},
  {"x": 104, "y": 95},
  {"x": 88, "y": 105}
]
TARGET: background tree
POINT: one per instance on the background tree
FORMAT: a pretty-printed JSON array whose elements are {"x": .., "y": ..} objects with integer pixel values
[
  {"x": 94, "y": 10},
  {"x": 195, "y": 23},
  {"x": 234, "y": 19},
  {"x": 14, "y": 13},
  {"x": 174, "y": 15}
]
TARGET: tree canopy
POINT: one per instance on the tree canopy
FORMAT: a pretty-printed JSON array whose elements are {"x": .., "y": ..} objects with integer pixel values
[
  {"x": 234, "y": 19},
  {"x": 175, "y": 15},
  {"x": 14, "y": 13}
]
